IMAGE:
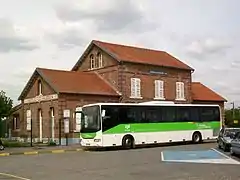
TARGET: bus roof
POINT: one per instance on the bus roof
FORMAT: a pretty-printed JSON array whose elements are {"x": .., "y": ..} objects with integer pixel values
[{"x": 150, "y": 104}]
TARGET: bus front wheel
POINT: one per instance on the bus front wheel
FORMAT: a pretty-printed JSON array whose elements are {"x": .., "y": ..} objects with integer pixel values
[
  {"x": 196, "y": 137},
  {"x": 128, "y": 142}
]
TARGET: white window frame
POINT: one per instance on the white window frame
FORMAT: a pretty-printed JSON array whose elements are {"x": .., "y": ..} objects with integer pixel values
[
  {"x": 159, "y": 89},
  {"x": 135, "y": 88},
  {"x": 100, "y": 63},
  {"x": 92, "y": 61},
  {"x": 180, "y": 94}
]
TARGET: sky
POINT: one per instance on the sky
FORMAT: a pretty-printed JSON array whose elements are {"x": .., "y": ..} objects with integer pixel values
[{"x": 54, "y": 33}]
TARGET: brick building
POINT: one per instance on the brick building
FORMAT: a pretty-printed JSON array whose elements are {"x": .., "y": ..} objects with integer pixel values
[{"x": 105, "y": 72}]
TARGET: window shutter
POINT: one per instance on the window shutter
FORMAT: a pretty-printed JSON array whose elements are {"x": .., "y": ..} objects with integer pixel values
[
  {"x": 182, "y": 90},
  {"x": 156, "y": 89},
  {"x": 161, "y": 89},
  {"x": 178, "y": 95},
  {"x": 133, "y": 87},
  {"x": 138, "y": 87}
]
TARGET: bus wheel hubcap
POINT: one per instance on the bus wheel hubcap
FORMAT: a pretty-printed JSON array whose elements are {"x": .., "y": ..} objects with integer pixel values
[
  {"x": 196, "y": 137},
  {"x": 128, "y": 142}
]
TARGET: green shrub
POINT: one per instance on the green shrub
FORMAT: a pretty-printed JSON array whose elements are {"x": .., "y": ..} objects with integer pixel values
[
  {"x": 52, "y": 143},
  {"x": 8, "y": 143}
]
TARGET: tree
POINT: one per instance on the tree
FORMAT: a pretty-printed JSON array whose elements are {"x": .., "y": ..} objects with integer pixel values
[
  {"x": 231, "y": 116},
  {"x": 5, "y": 105},
  {"x": 5, "y": 108}
]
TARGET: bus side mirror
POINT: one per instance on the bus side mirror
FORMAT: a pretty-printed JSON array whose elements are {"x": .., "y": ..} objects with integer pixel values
[{"x": 103, "y": 113}]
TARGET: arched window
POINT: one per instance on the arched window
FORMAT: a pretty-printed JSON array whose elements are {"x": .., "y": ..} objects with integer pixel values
[
  {"x": 99, "y": 59},
  {"x": 39, "y": 87},
  {"x": 92, "y": 61}
]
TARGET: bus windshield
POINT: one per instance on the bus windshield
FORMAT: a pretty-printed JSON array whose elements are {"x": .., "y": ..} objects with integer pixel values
[{"x": 90, "y": 119}]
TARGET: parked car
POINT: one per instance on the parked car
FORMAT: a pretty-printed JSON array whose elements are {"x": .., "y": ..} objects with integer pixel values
[
  {"x": 235, "y": 145},
  {"x": 225, "y": 137}
]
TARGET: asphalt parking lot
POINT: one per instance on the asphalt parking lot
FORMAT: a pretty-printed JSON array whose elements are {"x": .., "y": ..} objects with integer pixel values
[{"x": 145, "y": 163}]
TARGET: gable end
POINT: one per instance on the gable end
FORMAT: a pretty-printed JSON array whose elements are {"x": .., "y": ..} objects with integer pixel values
[
  {"x": 31, "y": 81},
  {"x": 85, "y": 53}
]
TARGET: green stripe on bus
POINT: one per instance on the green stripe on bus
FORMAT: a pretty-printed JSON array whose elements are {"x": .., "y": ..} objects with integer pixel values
[
  {"x": 88, "y": 135},
  {"x": 160, "y": 127}
]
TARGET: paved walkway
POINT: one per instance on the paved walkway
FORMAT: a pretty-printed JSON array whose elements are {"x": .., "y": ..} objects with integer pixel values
[{"x": 39, "y": 150}]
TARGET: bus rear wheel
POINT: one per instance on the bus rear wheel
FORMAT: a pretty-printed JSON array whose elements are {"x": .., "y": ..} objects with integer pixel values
[
  {"x": 196, "y": 137},
  {"x": 128, "y": 142}
]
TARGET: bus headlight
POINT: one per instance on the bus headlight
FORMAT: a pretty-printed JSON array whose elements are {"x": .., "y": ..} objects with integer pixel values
[{"x": 97, "y": 140}]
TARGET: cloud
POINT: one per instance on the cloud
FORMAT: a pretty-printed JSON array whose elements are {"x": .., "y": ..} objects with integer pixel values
[
  {"x": 67, "y": 39},
  {"x": 107, "y": 15},
  {"x": 79, "y": 23},
  {"x": 10, "y": 40},
  {"x": 206, "y": 47}
]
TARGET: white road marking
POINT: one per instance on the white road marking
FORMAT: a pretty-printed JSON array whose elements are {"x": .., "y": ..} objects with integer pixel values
[
  {"x": 221, "y": 153},
  {"x": 13, "y": 176},
  {"x": 228, "y": 159},
  {"x": 208, "y": 161}
]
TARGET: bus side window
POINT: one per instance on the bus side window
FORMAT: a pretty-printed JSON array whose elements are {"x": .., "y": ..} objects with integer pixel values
[
  {"x": 168, "y": 113},
  {"x": 183, "y": 114},
  {"x": 128, "y": 115},
  {"x": 132, "y": 115},
  {"x": 111, "y": 117},
  {"x": 195, "y": 116},
  {"x": 153, "y": 115},
  {"x": 208, "y": 114}
]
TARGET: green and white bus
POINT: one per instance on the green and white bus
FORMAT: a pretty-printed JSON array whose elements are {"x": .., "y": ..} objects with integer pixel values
[{"x": 130, "y": 124}]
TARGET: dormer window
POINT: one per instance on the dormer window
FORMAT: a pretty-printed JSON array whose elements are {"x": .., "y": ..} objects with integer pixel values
[
  {"x": 39, "y": 87},
  {"x": 92, "y": 61}
]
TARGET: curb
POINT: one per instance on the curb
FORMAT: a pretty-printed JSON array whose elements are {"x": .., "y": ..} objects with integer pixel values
[{"x": 56, "y": 151}]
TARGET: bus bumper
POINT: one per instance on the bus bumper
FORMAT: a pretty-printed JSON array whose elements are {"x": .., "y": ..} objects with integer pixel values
[{"x": 91, "y": 142}]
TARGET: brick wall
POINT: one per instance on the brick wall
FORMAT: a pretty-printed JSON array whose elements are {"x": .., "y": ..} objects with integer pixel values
[
  {"x": 127, "y": 71},
  {"x": 19, "y": 112},
  {"x": 46, "y": 118},
  {"x": 72, "y": 101},
  {"x": 119, "y": 75},
  {"x": 108, "y": 61}
]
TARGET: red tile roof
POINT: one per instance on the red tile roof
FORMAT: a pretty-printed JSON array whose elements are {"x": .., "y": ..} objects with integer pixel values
[
  {"x": 141, "y": 55},
  {"x": 201, "y": 92},
  {"x": 77, "y": 82}
]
